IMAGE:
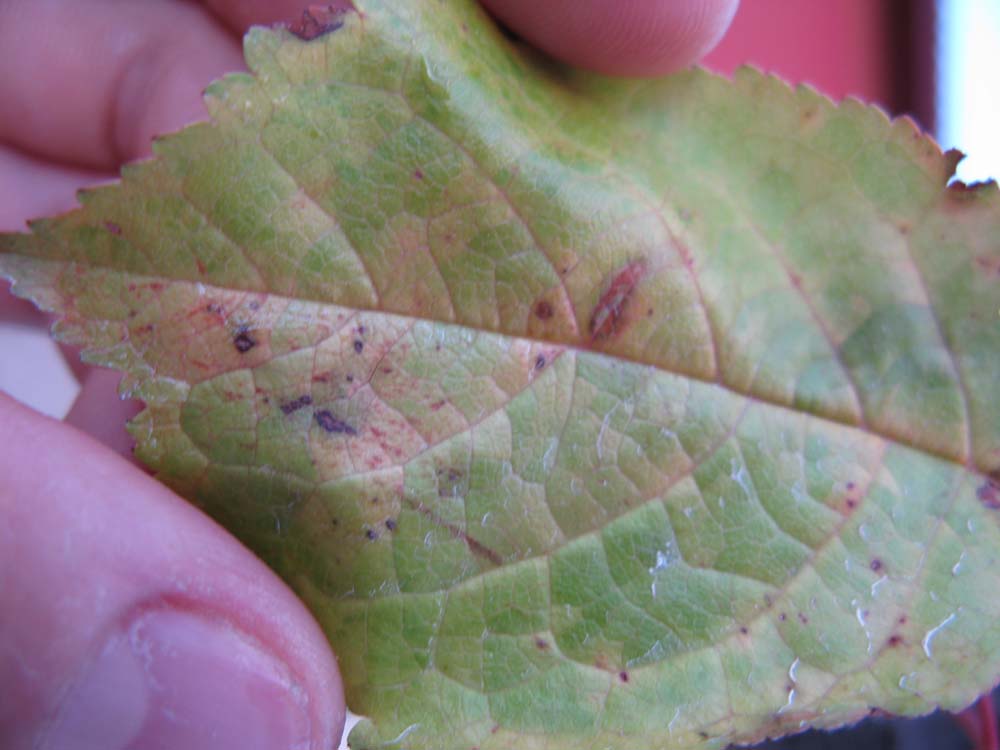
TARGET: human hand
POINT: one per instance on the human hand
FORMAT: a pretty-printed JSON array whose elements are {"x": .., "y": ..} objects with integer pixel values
[{"x": 127, "y": 617}]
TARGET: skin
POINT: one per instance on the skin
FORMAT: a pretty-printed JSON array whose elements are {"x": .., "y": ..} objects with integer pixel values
[{"x": 89, "y": 544}]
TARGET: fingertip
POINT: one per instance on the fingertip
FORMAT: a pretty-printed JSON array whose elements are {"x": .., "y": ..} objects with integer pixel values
[
  {"x": 239, "y": 15},
  {"x": 101, "y": 413},
  {"x": 629, "y": 38},
  {"x": 137, "y": 621}
]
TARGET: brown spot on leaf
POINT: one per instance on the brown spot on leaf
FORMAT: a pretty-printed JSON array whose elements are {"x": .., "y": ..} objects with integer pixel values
[
  {"x": 418, "y": 174},
  {"x": 332, "y": 424},
  {"x": 606, "y": 319},
  {"x": 243, "y": 341},
  {"x": 895, "y": 639},
  {"x": 543, "y": 310},
  {"x": 539, "y": 362},
  {"x": 803, "y": 619},
  {"x": 875, "y": 565},
  {"x": 371, "y": 535},
  {"x": 744, "y": 630},
  {"x": 437, "y": 405},
  {"x": 782, "y": 617},
  {"x": 390, "y": 524},
  {"x": 318, "y": 20},
  {"x": 112, "y": 227},
  {"x": 293, "y": 406},
  {"x": 541, "y": 644},
  {"x": 623, "y": 676},
  {"x": 359, "y": 345}
]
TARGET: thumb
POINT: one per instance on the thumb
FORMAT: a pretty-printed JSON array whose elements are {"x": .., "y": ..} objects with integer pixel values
[{"x": 130, "y": 620}]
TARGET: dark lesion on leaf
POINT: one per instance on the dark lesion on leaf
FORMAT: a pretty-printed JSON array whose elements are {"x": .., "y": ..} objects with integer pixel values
[
  {"x": 243, "y": 340},
  {"x": 333, "y": 425},
  {"x": 543, "y": 310},
  {"x": 988, "y": 493},
  {"x": 113, "y": 227},
  {"x": 290, "y": 407},
  {"x": 319, "y": 20}
]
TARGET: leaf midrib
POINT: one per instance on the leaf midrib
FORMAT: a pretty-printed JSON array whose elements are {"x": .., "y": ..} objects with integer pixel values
[{"x": 575, "y": 347}]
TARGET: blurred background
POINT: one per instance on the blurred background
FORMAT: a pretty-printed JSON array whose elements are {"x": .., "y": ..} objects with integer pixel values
[{"x": 937, "y": 61}]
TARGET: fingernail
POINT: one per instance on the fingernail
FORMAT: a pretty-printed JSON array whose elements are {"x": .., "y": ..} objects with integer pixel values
[{"x": 173, "y": 679}]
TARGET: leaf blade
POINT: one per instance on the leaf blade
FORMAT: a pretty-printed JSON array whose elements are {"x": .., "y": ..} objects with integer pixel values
[{"x": 462, "y": 353}]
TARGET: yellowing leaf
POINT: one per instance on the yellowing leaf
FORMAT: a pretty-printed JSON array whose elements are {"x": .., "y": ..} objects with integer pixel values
[{"x": 583, "y": 413}]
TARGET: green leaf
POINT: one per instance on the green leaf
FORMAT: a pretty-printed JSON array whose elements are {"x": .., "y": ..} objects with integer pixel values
[{"x": 583, "y": 413}]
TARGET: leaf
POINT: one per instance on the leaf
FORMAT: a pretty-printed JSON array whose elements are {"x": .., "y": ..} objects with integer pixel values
[{"x": 583, "y": 413}]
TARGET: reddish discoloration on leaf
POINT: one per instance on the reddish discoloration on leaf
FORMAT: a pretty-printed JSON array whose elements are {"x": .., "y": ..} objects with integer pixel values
[
  {"x": 318, "y": 20},
  {"x": 989, "y": 266},
  {"x": 607, "y": 316},
  {"x": 475, "y": 546},
  {"x": 113, "y": 227}
]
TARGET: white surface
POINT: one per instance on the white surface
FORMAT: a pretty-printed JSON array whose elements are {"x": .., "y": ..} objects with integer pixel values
[
  {"x": 969, "y": 85},
  {"x": 33, "y": 371}
]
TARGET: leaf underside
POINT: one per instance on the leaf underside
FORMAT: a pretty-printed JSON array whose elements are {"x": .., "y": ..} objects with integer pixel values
[{"x": 583, "y": 413}]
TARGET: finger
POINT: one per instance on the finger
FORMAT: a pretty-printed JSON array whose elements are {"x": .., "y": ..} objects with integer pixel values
[
  {"x": 619, "y": 37},
  {"x": 101, "y": 413},
  {"x": 92, "y": 83},
  {"x": 17, "y": 311},
  {"x": 132, "y": 620},
  {"x": 33, "y": 188},
  {"x": 239, "y": 15}
]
